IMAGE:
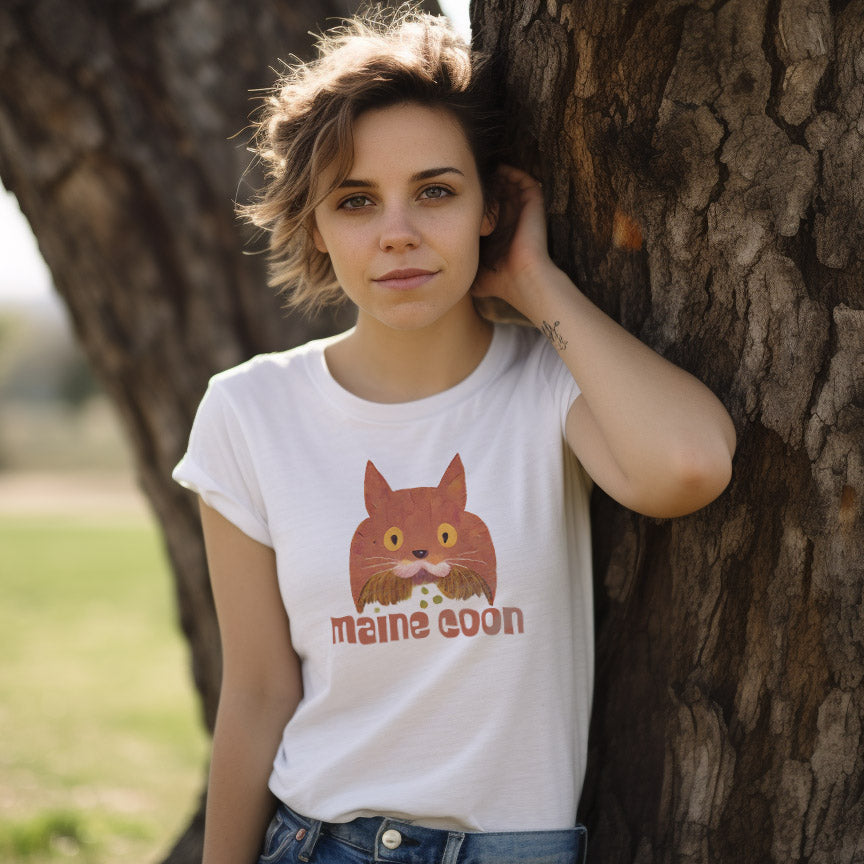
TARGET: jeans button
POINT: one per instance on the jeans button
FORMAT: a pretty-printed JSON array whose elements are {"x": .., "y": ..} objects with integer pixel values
[{"x": 391, "y": 838}]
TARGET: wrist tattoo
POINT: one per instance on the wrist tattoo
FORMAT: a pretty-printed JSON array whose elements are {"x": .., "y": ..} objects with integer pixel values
[{"x": 550, "y": 331}]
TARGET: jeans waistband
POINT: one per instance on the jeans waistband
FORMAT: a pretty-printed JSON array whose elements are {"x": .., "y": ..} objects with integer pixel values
[{"x": 392, "y": 841}]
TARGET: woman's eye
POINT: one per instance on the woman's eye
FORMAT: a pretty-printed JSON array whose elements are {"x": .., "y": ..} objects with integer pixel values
[
  {"x": 436, "y": 192},
  {"x": 355, "y": 202}
]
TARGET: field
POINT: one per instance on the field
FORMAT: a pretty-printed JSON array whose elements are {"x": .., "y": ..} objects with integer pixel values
[{"x": 101, "y": 747}]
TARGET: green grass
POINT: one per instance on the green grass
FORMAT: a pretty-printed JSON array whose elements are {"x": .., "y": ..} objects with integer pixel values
[{"x": 101, "y": 749}]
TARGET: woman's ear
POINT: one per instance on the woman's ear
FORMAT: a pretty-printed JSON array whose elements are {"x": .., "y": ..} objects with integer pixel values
[{"x": 490, "y": 219}]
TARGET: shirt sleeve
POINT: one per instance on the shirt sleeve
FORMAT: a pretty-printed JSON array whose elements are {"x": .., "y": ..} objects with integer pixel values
[
  {"x": 219, "y": 467},
  {"x": 562, "y": 386},
  {"x": 563, "y": 391}
]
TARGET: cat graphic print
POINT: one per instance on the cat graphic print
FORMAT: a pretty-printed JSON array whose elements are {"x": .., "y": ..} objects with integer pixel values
[{"x": 420, "y": 536}]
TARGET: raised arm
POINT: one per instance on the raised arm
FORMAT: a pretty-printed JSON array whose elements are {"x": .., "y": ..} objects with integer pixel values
[
  {"x": 261, "y": 687},
  {"x": 649, "y": 434}
]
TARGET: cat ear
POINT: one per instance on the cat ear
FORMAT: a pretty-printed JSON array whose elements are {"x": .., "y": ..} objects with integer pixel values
[
  {"x": 452, "y": 484},
  {"x": 375, "y": 489}
]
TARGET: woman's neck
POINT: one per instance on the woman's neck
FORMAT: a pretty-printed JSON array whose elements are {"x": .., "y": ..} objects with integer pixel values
[{"x": 382, "y": 364}]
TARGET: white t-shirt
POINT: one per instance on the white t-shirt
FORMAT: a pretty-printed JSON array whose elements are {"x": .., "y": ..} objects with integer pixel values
[{"x": 434, "y": 560}]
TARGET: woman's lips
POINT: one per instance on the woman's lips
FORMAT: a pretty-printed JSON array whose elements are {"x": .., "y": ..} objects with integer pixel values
[{"x": 402, "y": 280}]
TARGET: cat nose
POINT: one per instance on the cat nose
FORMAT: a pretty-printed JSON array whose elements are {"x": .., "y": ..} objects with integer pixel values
[{"x": 419, "y": 553}]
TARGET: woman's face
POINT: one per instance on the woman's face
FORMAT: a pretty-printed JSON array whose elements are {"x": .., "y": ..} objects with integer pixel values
[{"x": 403, "y": 230}]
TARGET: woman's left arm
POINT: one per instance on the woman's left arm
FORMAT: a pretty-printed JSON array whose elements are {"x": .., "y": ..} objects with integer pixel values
[{"x": 648, "y": 433}]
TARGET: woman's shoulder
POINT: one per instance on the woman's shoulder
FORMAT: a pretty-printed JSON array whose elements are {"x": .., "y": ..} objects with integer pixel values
[
  {"x": 528, "y": 346},
  {"x": 539, "y": 368},
  {"x": 273, "y": 365},
  {"x": 274, "y": 362}
]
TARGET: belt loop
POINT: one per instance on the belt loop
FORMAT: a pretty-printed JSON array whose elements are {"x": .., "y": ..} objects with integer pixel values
[
  {"x": 310, "y": 840},
  {"x": 452, "y": 847},
  {"x": 583, "y": 844}
]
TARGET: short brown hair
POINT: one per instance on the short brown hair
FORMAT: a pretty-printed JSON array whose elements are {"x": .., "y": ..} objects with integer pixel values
[{"x": 382, "y": 58}]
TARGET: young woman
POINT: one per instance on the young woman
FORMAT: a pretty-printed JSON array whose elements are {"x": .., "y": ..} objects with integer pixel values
[{"x": 396, "y": 518}]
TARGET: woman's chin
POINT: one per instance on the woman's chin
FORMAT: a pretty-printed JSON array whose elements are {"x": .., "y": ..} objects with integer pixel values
[{"x": 418, "y": 313}]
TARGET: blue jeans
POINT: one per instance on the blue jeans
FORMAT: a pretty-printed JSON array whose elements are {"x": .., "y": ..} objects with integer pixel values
[{"x": 293, "y": 839}]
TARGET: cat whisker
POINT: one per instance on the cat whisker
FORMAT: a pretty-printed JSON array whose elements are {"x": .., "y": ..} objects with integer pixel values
[{"x": 378, "y": 568}]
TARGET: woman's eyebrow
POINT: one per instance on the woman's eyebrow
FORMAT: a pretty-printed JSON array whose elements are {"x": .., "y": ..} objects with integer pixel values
[
  {"x": 426, "y": 174},
  {"x": 434, "y": 172}
]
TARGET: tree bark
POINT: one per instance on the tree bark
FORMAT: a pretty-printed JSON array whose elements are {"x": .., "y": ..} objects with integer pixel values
[
  {"x": 730, "y": 653},
  {"x": 117, "y": 135}
]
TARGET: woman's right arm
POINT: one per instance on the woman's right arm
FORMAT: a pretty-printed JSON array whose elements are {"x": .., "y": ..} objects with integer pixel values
[{"x": 261, "y": 687}]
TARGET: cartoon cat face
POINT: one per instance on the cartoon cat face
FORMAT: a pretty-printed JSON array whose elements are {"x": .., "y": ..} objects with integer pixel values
[{"x": 417, "y": 536}]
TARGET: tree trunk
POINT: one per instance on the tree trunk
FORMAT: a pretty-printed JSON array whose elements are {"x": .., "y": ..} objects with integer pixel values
[
  {"x": 116, "y": 125},
  {"x": 728, "y": 711}
]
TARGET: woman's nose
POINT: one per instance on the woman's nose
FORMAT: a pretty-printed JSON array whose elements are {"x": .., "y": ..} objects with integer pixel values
[{"x": 398, "y": 230}]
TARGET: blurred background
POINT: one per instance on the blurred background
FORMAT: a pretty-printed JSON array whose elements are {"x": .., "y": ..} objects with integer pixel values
[{"x": 102, "y": 750}]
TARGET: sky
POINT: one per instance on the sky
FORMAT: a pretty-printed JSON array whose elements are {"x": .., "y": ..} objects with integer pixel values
[{"x": 23, "y": 274}]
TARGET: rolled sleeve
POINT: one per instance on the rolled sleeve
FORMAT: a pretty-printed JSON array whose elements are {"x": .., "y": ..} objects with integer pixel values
[{"x": 219, "y": 467}]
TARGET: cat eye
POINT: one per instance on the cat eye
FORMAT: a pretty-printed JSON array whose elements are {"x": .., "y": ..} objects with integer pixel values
[
  {"x": 446, "y": 535},
  {"x": 393, "y": 538}
]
